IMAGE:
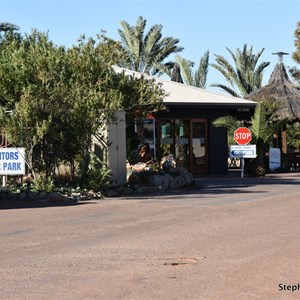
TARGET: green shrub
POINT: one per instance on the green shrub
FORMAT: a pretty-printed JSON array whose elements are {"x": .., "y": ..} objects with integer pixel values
[
  {"x": 98, "y": 175},
  {"x": 43, "y": 183}
]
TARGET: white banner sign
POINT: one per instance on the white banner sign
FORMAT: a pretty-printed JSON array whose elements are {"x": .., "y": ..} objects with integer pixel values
[
  {"x": 274, "y": 158},
  {"x": 242, "y": 151},
  {"x": 12, "y": 161}
]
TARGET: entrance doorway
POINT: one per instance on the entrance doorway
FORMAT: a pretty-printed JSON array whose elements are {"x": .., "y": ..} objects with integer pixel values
[{"x": 186, "y": 139}]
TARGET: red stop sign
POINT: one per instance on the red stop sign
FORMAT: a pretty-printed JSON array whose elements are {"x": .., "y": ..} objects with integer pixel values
[{"x": 242, "y": 136}]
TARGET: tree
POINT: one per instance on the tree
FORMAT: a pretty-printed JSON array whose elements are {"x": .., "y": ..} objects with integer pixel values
[
  {"x": 245, "y": 76},
  {"x": 145, "y": 52},
  {"x": 294, "y": 71},
  {"x": 9, "y": 32},
  {"x": 184, "y": 67},
  {"x": 296, "y": 54},
  {"x": 8, "y": 27},
  {"x": 293, "y": 136},
  {"x": 60, "y": 97},
  {"x": 32, "y": 90}
]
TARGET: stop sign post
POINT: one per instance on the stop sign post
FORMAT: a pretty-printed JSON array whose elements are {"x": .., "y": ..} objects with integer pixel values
[{"x": 242, "y": 136}]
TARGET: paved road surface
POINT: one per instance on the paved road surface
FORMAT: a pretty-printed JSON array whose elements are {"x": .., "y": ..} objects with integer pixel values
[{"x": 233, "y": 239}]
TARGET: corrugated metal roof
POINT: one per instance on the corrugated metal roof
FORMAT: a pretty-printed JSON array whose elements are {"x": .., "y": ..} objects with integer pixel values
[{"x": 179, "y": 94}]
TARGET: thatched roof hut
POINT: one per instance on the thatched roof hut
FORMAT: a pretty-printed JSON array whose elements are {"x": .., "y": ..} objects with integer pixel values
[{"x": 281, "y": 89}]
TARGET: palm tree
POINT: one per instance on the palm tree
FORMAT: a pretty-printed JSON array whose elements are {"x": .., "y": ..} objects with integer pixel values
[
  {"x": 8, "y": 27},
  {"x": 196, "y": 78},
  {"x": 145, "y": 53},
  {"x": 9, "y": 32},
  {"x": 245, "y": 76}
]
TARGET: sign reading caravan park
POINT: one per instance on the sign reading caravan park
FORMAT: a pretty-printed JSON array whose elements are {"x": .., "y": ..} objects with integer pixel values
[{"x": 12, "y": 161}]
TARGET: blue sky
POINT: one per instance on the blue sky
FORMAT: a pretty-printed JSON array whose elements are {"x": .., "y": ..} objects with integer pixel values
[{"x": 200, "y": 25}]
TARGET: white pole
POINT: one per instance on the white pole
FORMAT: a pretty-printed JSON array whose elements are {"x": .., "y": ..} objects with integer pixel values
[{"x": 4, "y": 180}]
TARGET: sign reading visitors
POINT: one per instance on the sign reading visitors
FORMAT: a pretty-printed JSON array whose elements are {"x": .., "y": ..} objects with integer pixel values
[
  {"x": 12, "y": 161},
  {"x": 243, "y": 151},
  {"x": 242, "y": 136},
  {"x": 274, "y": 158}
]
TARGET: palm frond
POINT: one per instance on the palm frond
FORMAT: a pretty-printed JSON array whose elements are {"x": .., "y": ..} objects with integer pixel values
[
  {"x": 201, "y": 73},
  {"x": 259, "y": 126},
  {"x": 145, "y": 51},
  {"x": 244, "y": 75},
  {"x": 228, "y": 122},
  {"x": 185, "y": 70},
  {"x": 225, "y": 88}
]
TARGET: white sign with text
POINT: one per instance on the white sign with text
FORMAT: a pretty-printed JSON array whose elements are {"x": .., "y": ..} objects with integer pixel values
[
  {"x": 274, "y": 158},
  {"x": 242, "y": 151},
  {"x": 12, "y": 161}
]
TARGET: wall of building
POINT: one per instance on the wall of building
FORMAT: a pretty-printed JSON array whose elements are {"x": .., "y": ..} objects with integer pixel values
[{"x": 113, "y": 150}]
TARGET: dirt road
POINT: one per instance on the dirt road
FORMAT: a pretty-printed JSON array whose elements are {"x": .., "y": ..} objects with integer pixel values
[{"x": 233, "y": 239}]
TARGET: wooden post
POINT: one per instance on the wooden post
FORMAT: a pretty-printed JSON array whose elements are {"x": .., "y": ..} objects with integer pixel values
[{"x": 284, "y": 139}]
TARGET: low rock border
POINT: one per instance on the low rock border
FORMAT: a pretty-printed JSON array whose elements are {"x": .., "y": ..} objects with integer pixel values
[{"x": 48, "y": 197}]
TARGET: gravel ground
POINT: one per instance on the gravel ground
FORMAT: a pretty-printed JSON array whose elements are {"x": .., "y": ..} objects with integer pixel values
[{"x": 232, "y": 238}]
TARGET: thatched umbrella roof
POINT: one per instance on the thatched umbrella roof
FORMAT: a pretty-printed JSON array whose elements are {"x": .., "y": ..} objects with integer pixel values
[{"x": 280, "y": 89}]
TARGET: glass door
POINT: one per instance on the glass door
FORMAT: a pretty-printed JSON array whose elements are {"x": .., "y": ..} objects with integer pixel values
[
  {"x": 198, "y": 147},
  {"x": 166, "y": 137},
  {"x": 182, "y": 135}
]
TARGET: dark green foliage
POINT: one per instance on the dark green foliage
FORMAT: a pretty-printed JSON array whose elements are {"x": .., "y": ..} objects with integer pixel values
[
  {"x": 98, "y": 176},
  {"x": 296, "y": 54},
  {"x": 58, "y": 98}
]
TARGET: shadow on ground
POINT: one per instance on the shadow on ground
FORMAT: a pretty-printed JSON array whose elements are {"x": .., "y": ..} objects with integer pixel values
[
  {"x": 208, "y": 186},
  {"x": 213, "y": 185},
  {"x": 12, "y": 204}
]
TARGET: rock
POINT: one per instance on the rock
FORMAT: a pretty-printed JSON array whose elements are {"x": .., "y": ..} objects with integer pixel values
[
  {"x": 139, "y": 190},
  {"x": 43, "y": 195},
  {"x": 13, "y": 196},
  {"x": 76, "y": 196},
  {"x": 179, "y": 181},
  {"x": 189, "y": 178},
  {"x": 58, "y": 198},
  {"x": 32, "y": 196},
  {"x": 23, "y": 197},
  {"x": 139, "y": 167},
  {"x": 181, "y": 171},
  {"x": 134, "y": 179},
  {"x": 156, "y": 180},
  {"x": 169, "y": 181}
]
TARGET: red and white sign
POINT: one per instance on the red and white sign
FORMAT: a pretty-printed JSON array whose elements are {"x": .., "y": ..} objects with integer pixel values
[{"x": 242, "y": 136}]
